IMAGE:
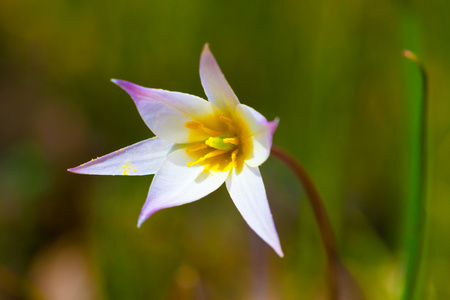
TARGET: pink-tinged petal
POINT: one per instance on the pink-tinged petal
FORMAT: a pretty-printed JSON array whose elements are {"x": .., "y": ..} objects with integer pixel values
[
  {"x": 143, "y": 158},
  {"x": 273, "y": 125},
  {"x": 261, "y": 132},
  {"x": 176, "y": 184},
  {"x": 166, "y": 113},
  {"x": 215, "y": 85},
  {"x": 249, "y": 195}
]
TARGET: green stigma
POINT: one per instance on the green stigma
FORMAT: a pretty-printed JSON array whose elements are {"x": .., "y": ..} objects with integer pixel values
[{"x": 226, "y": 142}]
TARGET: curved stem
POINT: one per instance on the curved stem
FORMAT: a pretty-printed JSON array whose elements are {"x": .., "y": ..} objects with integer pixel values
[
  {"x": 416, "y": 213},
  {"x": 320, "y": 214}
]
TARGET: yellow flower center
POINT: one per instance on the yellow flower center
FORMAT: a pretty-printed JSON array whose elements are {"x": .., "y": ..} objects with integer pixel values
[{"x": 221, "y": 151}]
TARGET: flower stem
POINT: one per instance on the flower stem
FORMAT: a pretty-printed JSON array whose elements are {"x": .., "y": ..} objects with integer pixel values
[
  {"x": 320, "y": 215},
  {"x": 416, "y": 211}
]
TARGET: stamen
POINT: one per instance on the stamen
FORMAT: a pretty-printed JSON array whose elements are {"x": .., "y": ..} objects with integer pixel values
[
  {"x": 209, "y": 155},
  {"x": 193, "y": 125},
  {"x": 233, "y": 140},
  {"x": 196, "y": 147},
  {"x": 229, "y": 122},
  {"x": 226, "y": 120},
  {"x": 197, "y": 125},
  {"x": 212, "y": 132},
  {"x": 233, "y": 157}
]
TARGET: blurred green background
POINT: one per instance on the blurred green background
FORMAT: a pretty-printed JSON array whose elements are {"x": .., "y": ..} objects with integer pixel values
[{"x": 331, "y": 70}]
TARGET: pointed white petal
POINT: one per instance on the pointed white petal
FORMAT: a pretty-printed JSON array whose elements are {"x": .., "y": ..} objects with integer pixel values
[
  {"x": 249, "y": 195},
  {"x": 215, "y": 85},
  {"x": 261, "y": 132},
  {"x": 176, "y": 184},
  {"x": 166, "y": 113},
  {"x": 142, "y": 158}
]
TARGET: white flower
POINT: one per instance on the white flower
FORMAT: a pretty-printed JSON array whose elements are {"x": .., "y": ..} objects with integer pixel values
[{"x": 199, "y": 145}]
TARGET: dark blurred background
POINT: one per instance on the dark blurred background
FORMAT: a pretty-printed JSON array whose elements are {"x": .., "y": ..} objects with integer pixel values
[{"x": 331, "y": 70}]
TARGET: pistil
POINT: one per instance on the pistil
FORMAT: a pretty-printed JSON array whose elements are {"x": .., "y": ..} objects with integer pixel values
[{"x": 223, "y": 142}]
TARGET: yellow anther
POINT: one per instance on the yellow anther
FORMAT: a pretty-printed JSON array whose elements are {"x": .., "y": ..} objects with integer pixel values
[
  {"x": 233, "y": 140},
  {"x": 193, "y": 125},
  {"x": 212, "y": 132},
  {"x": 209, "y": 155},
  {"x": 197, "y": 125},
  {"x": 233, "y": 157},
  {"x": 229, "y": 122},
  {"x": 226, "y": 120},
  {"x": 196, "y": 147}
]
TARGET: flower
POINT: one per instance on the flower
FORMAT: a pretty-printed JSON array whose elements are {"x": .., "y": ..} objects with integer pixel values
[{"x": 199, "y": 145}]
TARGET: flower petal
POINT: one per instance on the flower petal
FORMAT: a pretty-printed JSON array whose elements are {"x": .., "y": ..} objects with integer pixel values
[
  {"x": 176, "y": 184},
  {"x": 166, "y": 113},
  {"x": 142, "y": 158},
  {"x": 249, "y": 195},
  {"x": 261, "y": 132},
  {"x": 215, "y": 85}
]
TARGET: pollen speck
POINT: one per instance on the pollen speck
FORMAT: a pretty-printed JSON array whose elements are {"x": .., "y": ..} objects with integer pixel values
[{"x": 127, "y": 167}]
